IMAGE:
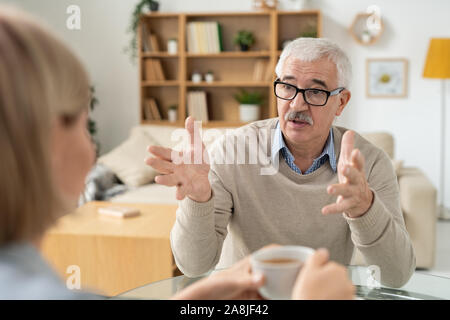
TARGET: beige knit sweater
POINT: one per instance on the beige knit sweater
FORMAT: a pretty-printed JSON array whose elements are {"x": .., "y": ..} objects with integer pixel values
[{"x": 249, "y": 210}]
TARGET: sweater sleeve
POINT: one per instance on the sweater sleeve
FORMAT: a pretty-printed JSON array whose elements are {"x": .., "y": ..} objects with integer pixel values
[
  {"x": 200, "y": 229},
  {"x": 380, "y": 234}
]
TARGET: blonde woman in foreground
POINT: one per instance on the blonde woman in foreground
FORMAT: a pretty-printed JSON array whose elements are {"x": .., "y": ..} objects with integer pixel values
[{"x": 46, "y": 155}]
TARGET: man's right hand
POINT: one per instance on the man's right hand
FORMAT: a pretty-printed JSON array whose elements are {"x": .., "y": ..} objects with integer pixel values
[
  {"x": 321, "y": 279},
  {"x": 191, "y": 179}
]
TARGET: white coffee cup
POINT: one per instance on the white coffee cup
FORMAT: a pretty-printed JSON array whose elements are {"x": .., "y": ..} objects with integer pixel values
[{"x": 280, "y": 275}]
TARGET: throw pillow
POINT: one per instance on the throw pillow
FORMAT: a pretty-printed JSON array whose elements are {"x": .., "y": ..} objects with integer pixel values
[
  {"x": 127, "y": 160},
  {"x": 397, "y": 164}
]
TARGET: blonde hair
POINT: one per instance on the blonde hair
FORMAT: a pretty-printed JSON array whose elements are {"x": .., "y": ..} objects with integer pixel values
[{"x": 40, "y": 80}]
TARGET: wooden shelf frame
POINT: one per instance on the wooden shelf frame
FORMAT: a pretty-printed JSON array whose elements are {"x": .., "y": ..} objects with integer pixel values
[{"x": 231, "y": 60}]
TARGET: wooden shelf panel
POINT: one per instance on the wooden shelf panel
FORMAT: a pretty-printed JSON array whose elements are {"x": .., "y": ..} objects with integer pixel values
[
  {"x": 158, "y": 55},
  {"x": 231, "y": 54},
  {"x": 169, "y": 83},
  {"x": 228, "y": 14},
  {"x": 229, "y": 84},
  {"x": 160, "y": 15},
  {"x": 298, "y": 13}
]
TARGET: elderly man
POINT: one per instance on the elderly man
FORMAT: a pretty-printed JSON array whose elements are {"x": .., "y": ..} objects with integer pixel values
[{"x": 332, "y": 189}]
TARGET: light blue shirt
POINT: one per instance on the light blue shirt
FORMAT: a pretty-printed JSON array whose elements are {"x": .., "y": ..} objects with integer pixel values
[
  {"x": 24, "y": 274},
  {"x": 278, "y": 145}
]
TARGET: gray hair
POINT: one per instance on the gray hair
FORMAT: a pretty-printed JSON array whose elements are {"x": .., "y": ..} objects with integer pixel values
[{"x": 311, "y": 49}]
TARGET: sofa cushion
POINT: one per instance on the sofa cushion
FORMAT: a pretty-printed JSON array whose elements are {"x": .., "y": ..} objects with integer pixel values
[
  {"x": 382, "y": 140},
  {"x": 127, "y": 160},
  {"x": 398, "y": 165},
  {"x": 150, "y": 193},
  {"x": 167, "y": 137}
]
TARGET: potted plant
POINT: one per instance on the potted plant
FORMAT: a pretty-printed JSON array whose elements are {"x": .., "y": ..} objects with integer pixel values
[
  {"x": 310, "y": 33},
  {"x": 244, "y": 39},
  {"x": 209, "y": 76},
  {"x": 172, "y": 113},
  {"x": 250, "y": 103},
  {"x": 366, "y": 37},
  {"x": 153, "y": 5},
  {"x": 142, "y": 7}
]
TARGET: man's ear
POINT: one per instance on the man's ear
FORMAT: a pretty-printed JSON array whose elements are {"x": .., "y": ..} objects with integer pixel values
[{"x": 344, "y": 98}]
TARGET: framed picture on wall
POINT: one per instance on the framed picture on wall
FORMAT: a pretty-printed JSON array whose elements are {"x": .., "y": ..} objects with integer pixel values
[{"x": 386, "y": 77}]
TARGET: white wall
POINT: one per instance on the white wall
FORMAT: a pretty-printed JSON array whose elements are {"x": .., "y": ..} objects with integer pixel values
[{"x": 414, "y": 121}]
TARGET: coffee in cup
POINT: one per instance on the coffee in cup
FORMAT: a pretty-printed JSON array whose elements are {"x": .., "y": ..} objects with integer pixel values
[{"x": 280, "y": 267}]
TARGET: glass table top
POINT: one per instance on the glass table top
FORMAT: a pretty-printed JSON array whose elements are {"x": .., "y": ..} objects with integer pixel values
[{"x": 421, "y": 286}]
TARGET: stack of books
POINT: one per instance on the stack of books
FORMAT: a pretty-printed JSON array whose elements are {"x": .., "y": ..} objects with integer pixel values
[
  {"x": 262, "y": 71},
  {"x": 151, "y": 110},
  {"x": 204, "y": 37},
  {"x": 197, "y": 105},
  {"x": 154, "y": 70}
]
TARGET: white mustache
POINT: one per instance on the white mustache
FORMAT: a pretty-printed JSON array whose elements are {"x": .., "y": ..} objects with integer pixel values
[{"x": 295, "y": 115}]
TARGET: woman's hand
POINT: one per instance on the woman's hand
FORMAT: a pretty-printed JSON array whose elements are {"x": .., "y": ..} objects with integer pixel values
[
  {"x": 320, "y": 279},
  {"x": 236, "y": 283}
]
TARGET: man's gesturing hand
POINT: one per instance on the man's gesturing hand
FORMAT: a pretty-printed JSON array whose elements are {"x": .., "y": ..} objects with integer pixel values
[
  {"x": 187, "y": 170},
  {"x": 354, "y": 195}
]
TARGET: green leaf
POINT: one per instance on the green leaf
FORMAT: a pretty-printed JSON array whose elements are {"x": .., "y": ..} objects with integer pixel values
[{"x": 245, "y": 97}]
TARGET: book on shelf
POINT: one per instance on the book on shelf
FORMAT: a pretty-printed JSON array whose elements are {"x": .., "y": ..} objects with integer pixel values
[
  {"x": 204, "y": 37},
  {"x": 144, "y": 39},
  {"x": 197, "y": 105},
  {"x": 269, "y": 72},
  {"x": 262, "y": 71},
  {"x": 148, "y": 70},
  {"x": 154, "y": 42},
  {"x": 147, "y": 110},
  {"x": 154, "y": 70},
  {"x": 151, "y": 110},
  {"x": 258, "y": 70},
  {"x": 159, "y": 70}
]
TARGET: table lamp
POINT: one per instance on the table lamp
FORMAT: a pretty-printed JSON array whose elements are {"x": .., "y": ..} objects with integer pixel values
[{"x": 437, "y": 66}]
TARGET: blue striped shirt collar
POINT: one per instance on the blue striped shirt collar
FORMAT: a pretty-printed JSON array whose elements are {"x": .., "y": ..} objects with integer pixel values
[{"x": 278, "y": 145}]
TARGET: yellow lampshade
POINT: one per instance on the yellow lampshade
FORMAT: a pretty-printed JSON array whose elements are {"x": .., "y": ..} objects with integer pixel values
[{"x": 437, "y": 64}]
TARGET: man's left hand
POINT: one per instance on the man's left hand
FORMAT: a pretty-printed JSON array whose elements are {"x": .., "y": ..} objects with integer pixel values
[{"x": 354, "y": 196}]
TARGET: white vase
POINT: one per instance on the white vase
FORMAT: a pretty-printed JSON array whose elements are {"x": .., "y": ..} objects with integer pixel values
[
  {"x": 366, "y": 37},
  {"x": 172, "y": 46},
  {"x": 209, "y": 77},
  {"x": 196, "y": 77},
  {"x": 249, "y": 112},
  {"x": 172, "y": 114}
]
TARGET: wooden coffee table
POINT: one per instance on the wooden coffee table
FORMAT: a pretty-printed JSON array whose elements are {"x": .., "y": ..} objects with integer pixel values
[{"x": 113, "y": 254}]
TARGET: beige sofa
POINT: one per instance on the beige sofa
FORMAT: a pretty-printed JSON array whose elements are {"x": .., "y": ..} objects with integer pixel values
[{"x": 417, "y": 194}]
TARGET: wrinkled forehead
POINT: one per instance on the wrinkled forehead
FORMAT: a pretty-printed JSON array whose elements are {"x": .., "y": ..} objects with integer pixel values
[{"x": 321, "y": 71}]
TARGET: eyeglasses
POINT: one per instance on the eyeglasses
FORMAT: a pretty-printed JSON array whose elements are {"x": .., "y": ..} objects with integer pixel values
[{"x": 314, "y": 97}]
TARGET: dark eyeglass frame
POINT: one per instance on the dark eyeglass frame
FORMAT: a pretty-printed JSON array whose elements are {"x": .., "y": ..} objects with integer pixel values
[{"x": 303, "y": 91}]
